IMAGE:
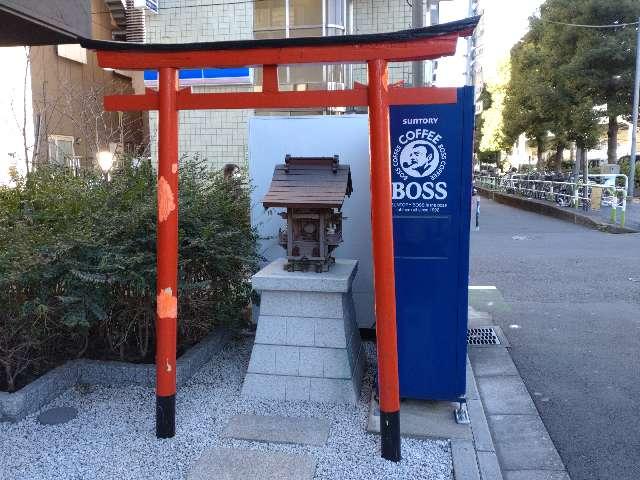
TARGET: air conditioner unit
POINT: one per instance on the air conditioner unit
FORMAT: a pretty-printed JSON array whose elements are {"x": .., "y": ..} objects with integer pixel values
[
  {"x": 119, "y": 35},
  {"x": 136, "y": 24}
]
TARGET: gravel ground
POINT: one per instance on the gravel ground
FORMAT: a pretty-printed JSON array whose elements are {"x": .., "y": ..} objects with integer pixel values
[{"x": 114, "y": 437}]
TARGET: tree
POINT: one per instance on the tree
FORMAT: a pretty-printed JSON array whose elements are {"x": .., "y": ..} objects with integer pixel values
[
  {"x": 545, "y": 98},
  {"x": 491, "y": 124},
  {"x": 485, "y": 100},
  {"x": 599, "y": 63},
  {"x": 527, "y": 109}
]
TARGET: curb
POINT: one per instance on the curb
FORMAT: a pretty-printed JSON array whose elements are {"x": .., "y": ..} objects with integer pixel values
[
  {"x": 29, "y": 399},
  {"x": 544, "y": 208},
  {"x": 475, "y": 459},
  {"x": 494, "y": 462}
]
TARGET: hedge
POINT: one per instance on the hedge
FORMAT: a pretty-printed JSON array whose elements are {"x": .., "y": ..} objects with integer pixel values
[{"x": 78, "y": 264}]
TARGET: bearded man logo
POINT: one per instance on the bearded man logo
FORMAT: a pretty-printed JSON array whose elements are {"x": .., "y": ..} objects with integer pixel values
[{"x": 419, "y": 159}]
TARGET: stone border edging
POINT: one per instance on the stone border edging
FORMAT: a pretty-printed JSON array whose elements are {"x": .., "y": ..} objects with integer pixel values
[
  {"x": 475, "y": 459},
  {"x": 543, "y": 208},
  {"x": 29, "y": 399}
]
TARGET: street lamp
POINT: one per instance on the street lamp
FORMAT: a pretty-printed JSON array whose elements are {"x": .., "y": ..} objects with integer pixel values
[{"x": 105, "y": 160}]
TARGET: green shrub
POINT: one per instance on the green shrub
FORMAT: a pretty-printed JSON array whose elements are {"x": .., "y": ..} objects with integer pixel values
[{"x": 78, "y": 264}]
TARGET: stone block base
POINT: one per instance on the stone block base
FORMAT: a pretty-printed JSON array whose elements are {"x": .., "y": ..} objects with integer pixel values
[{"x": 307, "y": 344}]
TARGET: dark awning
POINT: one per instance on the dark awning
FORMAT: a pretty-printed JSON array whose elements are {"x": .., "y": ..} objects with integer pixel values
[{"x": 38, "y": 22}]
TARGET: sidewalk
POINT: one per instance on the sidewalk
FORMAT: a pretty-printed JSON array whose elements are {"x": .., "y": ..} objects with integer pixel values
[
  {"x": 522, "y": 444},
  {"x": 506, "y": 439},
  {"x": 599, "y": 220},
  {"x": 632, "y": 215}
]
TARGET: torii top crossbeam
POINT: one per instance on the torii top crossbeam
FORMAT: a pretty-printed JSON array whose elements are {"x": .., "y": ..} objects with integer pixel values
[
  {"x": 408, "y": 45},
  {"x": 376, "y": 50}
]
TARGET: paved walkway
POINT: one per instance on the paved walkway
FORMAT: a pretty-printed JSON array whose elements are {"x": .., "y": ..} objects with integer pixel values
[
  {"x": 632, "y": 215},
  {"x": 523, "y": 446},
  {"x": 571, "y": 313}
]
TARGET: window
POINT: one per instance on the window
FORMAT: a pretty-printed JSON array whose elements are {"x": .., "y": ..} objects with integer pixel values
[
  {"x": 305, "y": 13},
  {"x": 336, "y": 14},
  {"x": 269, "y": 16},
  {"x": 61, "y": 150},
  {"x": 278, "y": 18},
  {"x": 303, "y": 18}
]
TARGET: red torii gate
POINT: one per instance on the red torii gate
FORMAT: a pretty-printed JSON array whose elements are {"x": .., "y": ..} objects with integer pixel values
[{"x": 376, "y": 50}]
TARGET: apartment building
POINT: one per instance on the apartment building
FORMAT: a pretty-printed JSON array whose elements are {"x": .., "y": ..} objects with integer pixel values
[
  {"x": 221, "y": 136},
  {"x": 51, "y": 104}
]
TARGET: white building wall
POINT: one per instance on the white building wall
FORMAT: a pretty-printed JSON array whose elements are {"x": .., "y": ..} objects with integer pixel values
[
  {"x": 379, "y": 16},
  {"x": 270, "y": 139},
  {"x": 14, "y": 100},
  {"x": 220, "y": 136}
]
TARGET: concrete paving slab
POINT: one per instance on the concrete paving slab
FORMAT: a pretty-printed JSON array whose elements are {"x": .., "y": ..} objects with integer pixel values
[
  {"x": 245, "y": 464},
  {"x": 489, "y": 466},
  {"x": 465, "y": 466},
  {"x": 277, "y": 429},
  {"x": 488, "y": 300},
  {"x": 423, "y": 419},
  {"x": 479, "y": 319},
  {"x": 535, "y": 475},
  {"x": 505, "y": 395},
  {"x": 491, "y": 361},
  {"x": 522, "y": 443}
]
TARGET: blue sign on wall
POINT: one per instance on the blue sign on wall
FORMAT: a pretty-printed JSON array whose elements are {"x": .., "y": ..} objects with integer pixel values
[
  {"x": 431, "y": 148},
  {"x": 151, "y": 5},
  {"x": 204, "y": 76}
]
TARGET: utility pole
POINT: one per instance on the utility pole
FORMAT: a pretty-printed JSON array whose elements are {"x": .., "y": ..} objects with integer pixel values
[{"x": 634, "y": 131}]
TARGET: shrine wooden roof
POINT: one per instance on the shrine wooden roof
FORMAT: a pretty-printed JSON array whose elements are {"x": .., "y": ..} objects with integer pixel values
[{"x": 309, "y": 182}]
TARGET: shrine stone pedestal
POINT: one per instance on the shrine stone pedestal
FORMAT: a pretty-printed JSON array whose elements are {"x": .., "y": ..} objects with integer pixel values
[{"x": 307, "y": 344}]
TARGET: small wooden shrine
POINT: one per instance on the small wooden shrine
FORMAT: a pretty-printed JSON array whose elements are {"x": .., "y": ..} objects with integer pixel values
[{"x": 312, "y": 189}]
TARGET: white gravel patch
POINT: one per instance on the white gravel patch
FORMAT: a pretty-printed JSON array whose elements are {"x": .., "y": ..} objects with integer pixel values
[{"x": 114, "y": 434}]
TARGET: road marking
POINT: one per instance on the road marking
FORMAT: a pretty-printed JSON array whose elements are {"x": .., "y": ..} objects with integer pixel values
[{"x": 480, "y": 287}]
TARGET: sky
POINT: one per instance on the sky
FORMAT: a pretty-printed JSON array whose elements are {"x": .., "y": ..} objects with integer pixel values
[{"x": 506, "y": 21}]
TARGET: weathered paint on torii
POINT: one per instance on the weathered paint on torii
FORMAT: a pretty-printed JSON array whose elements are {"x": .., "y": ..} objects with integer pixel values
[{"x": 376, "y": 51}]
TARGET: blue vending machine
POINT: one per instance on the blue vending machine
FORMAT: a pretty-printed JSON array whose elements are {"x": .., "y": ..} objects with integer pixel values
[{"x": 431, "y": 162}]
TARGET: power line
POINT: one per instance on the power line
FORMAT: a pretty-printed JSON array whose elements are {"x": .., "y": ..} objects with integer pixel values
[{"x": 611, "y": 25}]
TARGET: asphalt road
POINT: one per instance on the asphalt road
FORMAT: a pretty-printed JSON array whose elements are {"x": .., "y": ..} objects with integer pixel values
[{"x": 574, "y": 326}]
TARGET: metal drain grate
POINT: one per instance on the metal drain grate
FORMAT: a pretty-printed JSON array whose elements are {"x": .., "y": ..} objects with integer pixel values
[{"x": 482, "y": 336}]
